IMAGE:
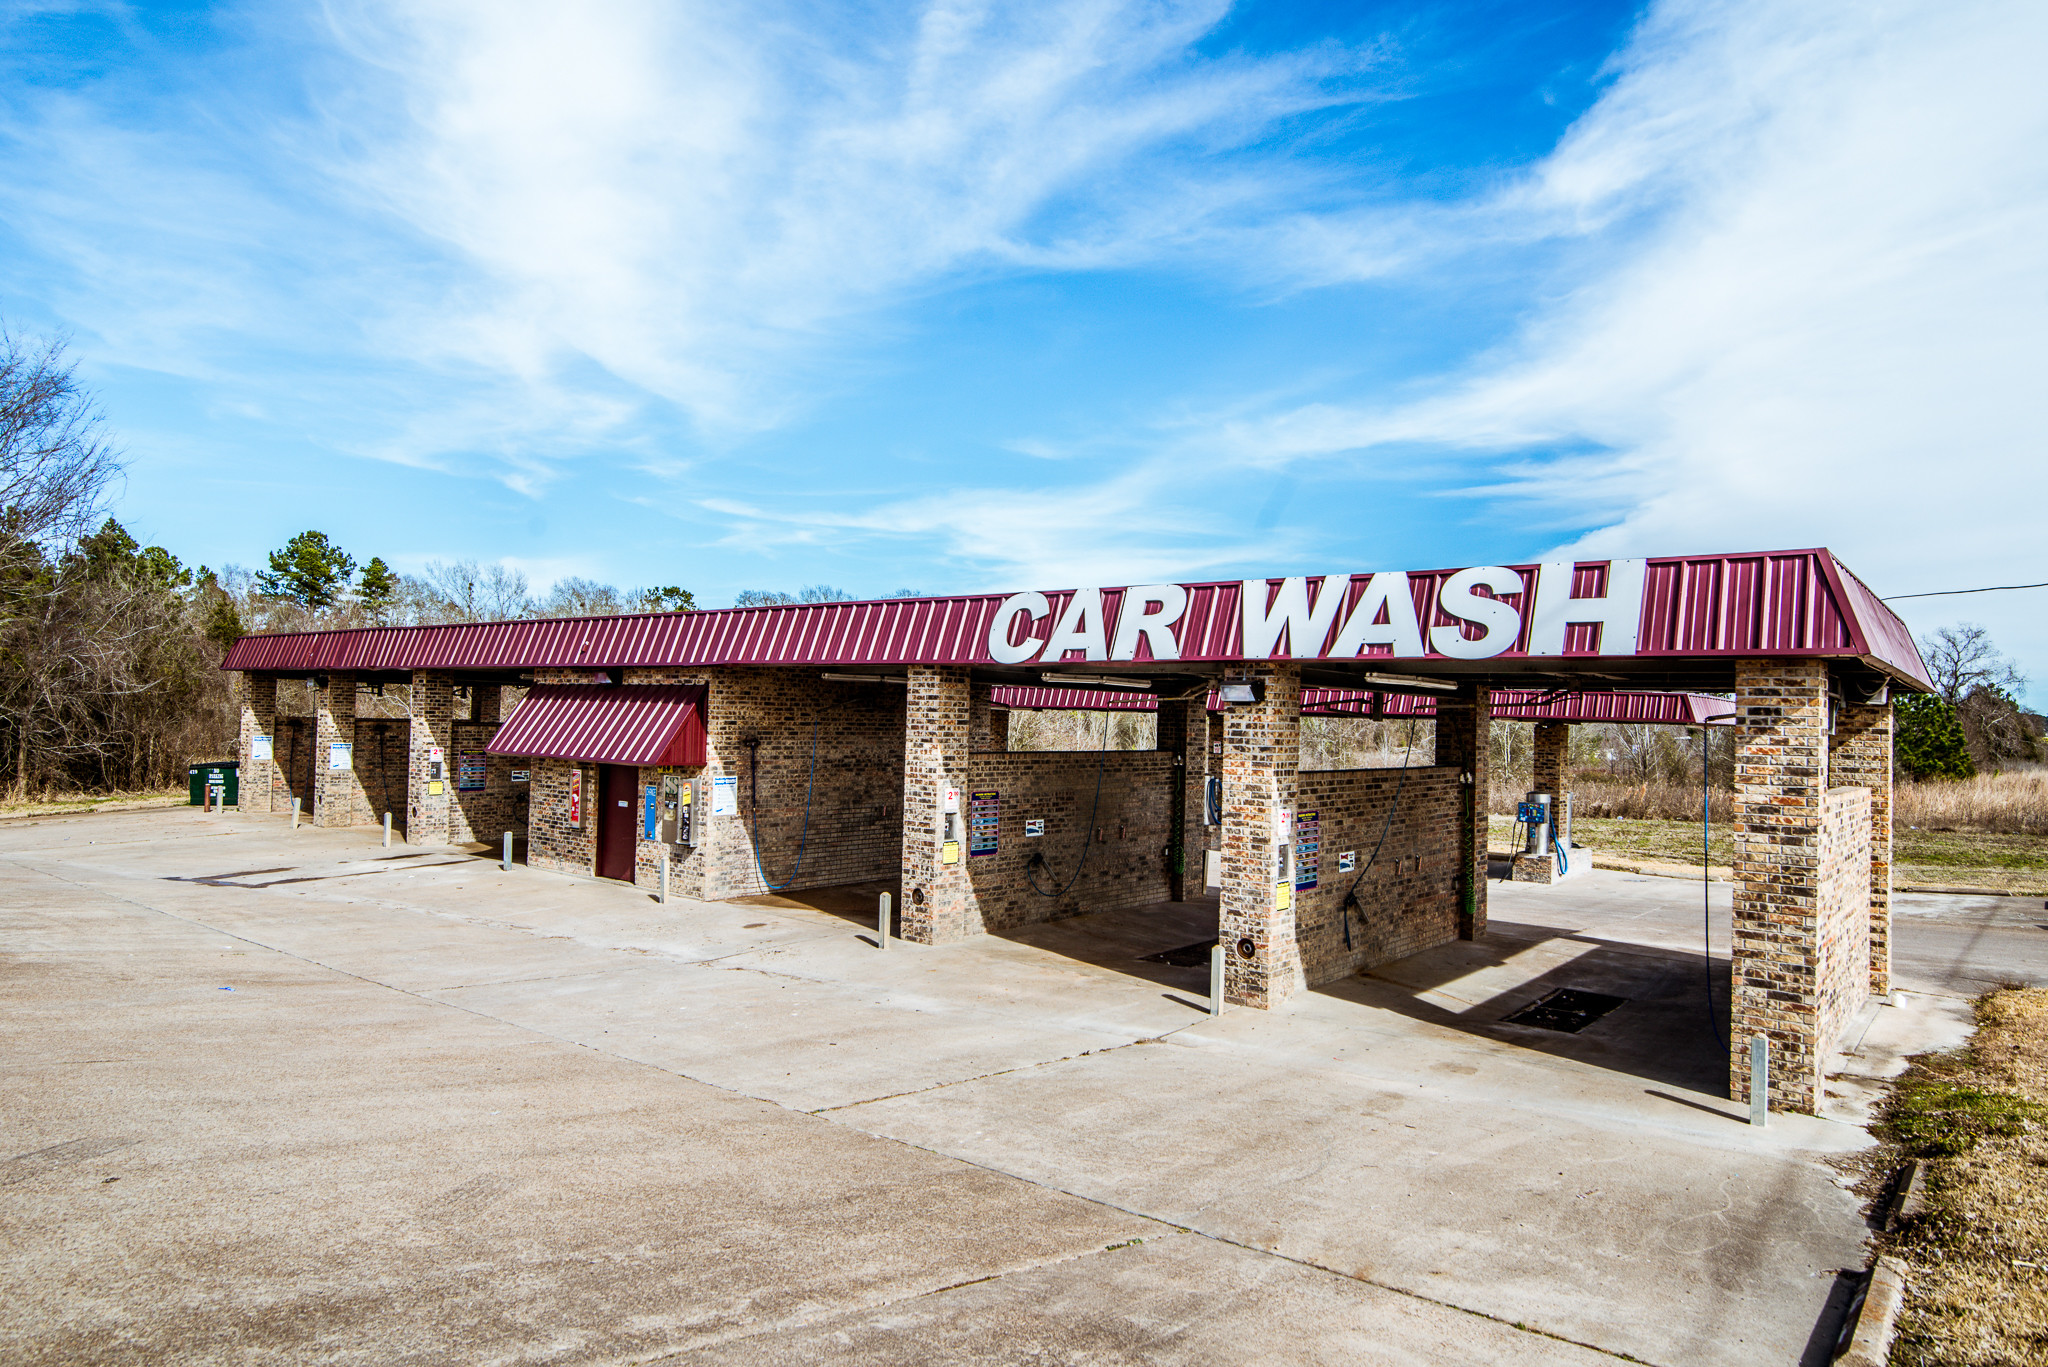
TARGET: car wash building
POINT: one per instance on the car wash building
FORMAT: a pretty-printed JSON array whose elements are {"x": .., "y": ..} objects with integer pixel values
[{"x": 810, "y": 746}]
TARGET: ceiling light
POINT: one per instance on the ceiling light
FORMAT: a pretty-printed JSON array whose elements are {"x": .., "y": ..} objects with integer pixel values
[
  {"x": 865, "y": 678},
  {"x": 1409, "y": 681}
]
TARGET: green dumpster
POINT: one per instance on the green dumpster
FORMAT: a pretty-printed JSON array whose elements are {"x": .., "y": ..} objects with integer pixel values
[{"x": 223, "y": 778}]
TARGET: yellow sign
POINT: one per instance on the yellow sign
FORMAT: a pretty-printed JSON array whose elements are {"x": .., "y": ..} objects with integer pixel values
[
  {"x": 950, "y": 852},
  {"x": 1283, "y": 896},
  {"x": 434, "y": 788}
]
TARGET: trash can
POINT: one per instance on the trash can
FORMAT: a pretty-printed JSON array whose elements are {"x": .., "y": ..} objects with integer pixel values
[{"x": 224, "y": 778}]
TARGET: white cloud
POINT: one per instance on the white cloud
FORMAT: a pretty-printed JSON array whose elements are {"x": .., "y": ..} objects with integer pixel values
[
  {"x": 1816, "y": 309},
  {"x": 698, "y": 195}
]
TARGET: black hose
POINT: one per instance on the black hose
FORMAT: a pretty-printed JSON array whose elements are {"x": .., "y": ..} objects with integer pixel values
[
  {"x": 1088, "y": 831},
  {"x": 1351, "y": 894}
]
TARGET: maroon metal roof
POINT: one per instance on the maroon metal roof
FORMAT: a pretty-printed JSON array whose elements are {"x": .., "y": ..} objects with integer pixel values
[
  {"x": 633, "y": 724},
  {"x": 1764, "y": 604},
  {"x": 1509, "y": 704}
]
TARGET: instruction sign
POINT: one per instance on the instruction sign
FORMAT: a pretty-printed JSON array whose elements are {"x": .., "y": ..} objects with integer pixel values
[
  {"x": 522, "y": 775},
  {"x": 340, "y": 755},
  {"x": 470, "y": 768},
  {"x": 1347, "y": 862},
  {"x": 1034, "y": 827},
  {"x": 1308, "y": 849},
  {"x": 259, "y": 749},
  {"x": 984, "y": 813},
  {"x": 725, "y": 796},
  {"x": 651, "y": 816}
]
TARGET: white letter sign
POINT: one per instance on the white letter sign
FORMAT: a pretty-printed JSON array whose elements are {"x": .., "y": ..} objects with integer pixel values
[
  {"x": 1029, "y": 606},
  {"x": 1500, "y": 619},
  {"x": 1149, "y": 610},
  {"x": 1306, "y": 627},
  {"x": 1619, "y": 614},
  {"x": 1080, "y": 629},
  {"x": 1389, "y": 591}
]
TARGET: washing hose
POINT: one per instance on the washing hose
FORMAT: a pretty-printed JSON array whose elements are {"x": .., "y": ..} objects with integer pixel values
[{"x": 1088, "y": 831}]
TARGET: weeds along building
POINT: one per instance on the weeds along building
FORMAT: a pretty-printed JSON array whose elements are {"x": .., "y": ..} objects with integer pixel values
[{"x": 810, "y": 746}]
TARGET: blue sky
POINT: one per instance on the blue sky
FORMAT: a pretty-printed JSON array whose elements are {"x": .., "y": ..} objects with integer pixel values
[{"x": 963, "y": 296}]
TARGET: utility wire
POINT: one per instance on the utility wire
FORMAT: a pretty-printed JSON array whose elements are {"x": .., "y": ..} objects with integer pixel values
[{"x": 1950, "y": 593}]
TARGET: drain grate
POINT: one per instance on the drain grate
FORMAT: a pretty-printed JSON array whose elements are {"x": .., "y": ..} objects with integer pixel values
[
  {"x": 1187, "y": 956},
  {"x": 1567, "y": 1009}
]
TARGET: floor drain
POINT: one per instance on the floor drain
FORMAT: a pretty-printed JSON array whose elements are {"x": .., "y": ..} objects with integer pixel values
[
  {"x": 1567, "y": 1009},
  {"x": 1187, "y": 956}
]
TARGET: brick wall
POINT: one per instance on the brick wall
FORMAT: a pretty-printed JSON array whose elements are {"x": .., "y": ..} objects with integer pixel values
[
  {"x": 1124, "y": 845},
  {"x": 258, "y": 780},
  {"x": 338, "y": 796},
  {"x": 1842, "y": 973},
  {"x": 381, "y": 748},
  {"x": 1462, "y": 728},
  {"x": 432, "y": 726},
  {"x": 501, "y": 806},
  {"x": 1860, "y": 756},
  {"x": 553, "y": 843},
  {"x": 1792, "y": 885},
  {"x": 1408, "y": 897},
  {"x": 938, "y": 899}
]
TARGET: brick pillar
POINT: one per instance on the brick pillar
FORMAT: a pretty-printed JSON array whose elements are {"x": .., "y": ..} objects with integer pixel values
[
  {"x": 1183, "y": 732},
  {"x": 433, "y": 726},
  {"x": 338, "y": 797},
  {"x": 1781, "y": 780},
  {"x": 1553, "y": 746},
  {"x": 1861, "y": 757},
  {"x": 258, "y": 778},
  {"x": 981, "y": 720},
  {"x": 1462, "y": 724},
  {"x": 938, "y": 901},
  {"x": 1261, "y": 753},
  {"x": 485, "y": 702}
]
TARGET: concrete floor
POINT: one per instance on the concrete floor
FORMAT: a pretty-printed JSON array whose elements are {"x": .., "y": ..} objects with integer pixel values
[{"x": 281, "y": 1097}]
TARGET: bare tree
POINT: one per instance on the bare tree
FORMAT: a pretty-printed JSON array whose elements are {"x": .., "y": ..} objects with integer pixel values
[
  {"x": 55, "y": 464},
  {"x": 575, "y": 597},
  {"x": 1963, "y": 658},
  {"x": 465, "y": 591}
]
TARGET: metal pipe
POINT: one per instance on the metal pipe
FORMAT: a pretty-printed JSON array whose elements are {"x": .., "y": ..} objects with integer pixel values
[
  {"x": 1759, "y": 1080},
  {"x": 664, "y": 876},
  {"x": 387, "y": 830},
  {"x": 295, "y": 812},
  {"x": 882, "y": 924},
  {"x": 1216, "y": 979},
  {"x": 508, "y": 852}
]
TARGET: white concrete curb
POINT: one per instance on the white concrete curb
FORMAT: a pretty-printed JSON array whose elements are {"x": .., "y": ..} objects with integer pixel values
[{"x": 1871, "y": 1345}]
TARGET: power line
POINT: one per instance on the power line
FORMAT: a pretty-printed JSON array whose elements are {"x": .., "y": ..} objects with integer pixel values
[{"x": 1949, "y": 593}]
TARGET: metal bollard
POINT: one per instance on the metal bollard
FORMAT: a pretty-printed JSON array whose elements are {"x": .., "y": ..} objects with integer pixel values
[
  {"x": 1216, "y": 979},
  {"x": 1759, "y": 1080},
  {"x": 508, "y": 852},
  {"x": 882, "y": 924},
  {"x": 295, "y": 812},
  {"x": 387, "y": 830},
  {"x": 664, "y": 877}
]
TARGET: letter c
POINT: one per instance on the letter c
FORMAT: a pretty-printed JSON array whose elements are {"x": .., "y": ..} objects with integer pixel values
[{"x": 1032, "y": 606}]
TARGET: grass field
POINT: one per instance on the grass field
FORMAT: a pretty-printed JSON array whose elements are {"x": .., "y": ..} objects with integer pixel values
[
  {"x": 2016, "y": 863},
  {"x": 1978, "y": 1254}
]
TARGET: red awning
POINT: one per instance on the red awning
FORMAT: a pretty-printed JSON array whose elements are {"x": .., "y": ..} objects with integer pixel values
[{"x": 632, "y": 724}]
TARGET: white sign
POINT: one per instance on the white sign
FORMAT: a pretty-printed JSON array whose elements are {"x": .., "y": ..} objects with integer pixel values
[
  {"x": 1034, "y": 827},
  {"x": 340, "y": 755},
  {"x": 725, "y": 796},
  {"x": 1347, "y": 862},
  {"x": 259, "y": 749},
  {"x": 522, "y": 775},
  {"x": 1320, "y": 617}
]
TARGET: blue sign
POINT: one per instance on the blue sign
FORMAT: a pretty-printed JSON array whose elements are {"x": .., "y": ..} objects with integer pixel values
[{"x": 651, "y": 827}]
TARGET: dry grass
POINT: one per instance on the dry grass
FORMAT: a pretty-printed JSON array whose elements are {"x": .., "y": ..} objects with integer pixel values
[
  {"x": 55, "y": 805},
  {"x": 2014, "y": 802},
  {"x": 1978, "y": 1118}
]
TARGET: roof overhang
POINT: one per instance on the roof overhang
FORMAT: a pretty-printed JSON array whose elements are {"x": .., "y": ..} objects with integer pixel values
[{"x": 635, "y": 724}]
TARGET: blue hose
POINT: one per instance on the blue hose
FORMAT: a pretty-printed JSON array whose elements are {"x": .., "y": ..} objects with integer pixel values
[{"x": 1564, "y": 861}]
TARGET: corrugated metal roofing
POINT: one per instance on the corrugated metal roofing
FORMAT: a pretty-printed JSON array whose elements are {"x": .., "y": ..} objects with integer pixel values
[
  {"x": 1767, "y": 604},
  {"x": 632, "y": 724},
  {"x": 1509, "y": 704}
]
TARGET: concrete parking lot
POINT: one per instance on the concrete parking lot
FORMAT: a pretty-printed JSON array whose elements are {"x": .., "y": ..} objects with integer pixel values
[{"x": 279, "y": 1096}]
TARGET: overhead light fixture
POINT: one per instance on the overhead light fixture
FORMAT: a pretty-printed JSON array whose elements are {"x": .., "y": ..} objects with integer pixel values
[
  {"x": 1096, "y": 680},
  {"x": 1410, "y": 681},
  {"x": 866, "y": 678},
  {"x": 1240, "y": 690}
]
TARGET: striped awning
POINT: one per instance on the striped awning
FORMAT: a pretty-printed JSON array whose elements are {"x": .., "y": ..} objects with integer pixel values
[{"x": 629, "y": 724}]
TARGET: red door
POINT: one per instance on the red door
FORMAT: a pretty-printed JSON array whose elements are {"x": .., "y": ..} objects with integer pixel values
[{"x": 617, "y": 787}]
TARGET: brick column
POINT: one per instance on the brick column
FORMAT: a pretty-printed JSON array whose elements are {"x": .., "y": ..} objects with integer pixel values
[
  {"x": 1184, "y": 731},
  {"x": 485, "y": 702},
  {"x": 258, "y": 778},
  {"x": 338, "y": 797},
  {"x": 1553, "y": 749},
  {"x": 938, "y": 901},
  {"x": 1261, "y": 754},
  {"x": 1461, "y": 743},
  {"x": 433, "y": 724},
  {"x": 981, "y": 720},
  {"x": 1861, "y": 757},
  {"x": 1781, "y": 780}
]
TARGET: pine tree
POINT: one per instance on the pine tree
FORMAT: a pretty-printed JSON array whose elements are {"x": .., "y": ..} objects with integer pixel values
[
  {"x": 1930, "y": 742},
  {"x": 378, "y": 589},
  {"x": 310, "y": 570}
]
